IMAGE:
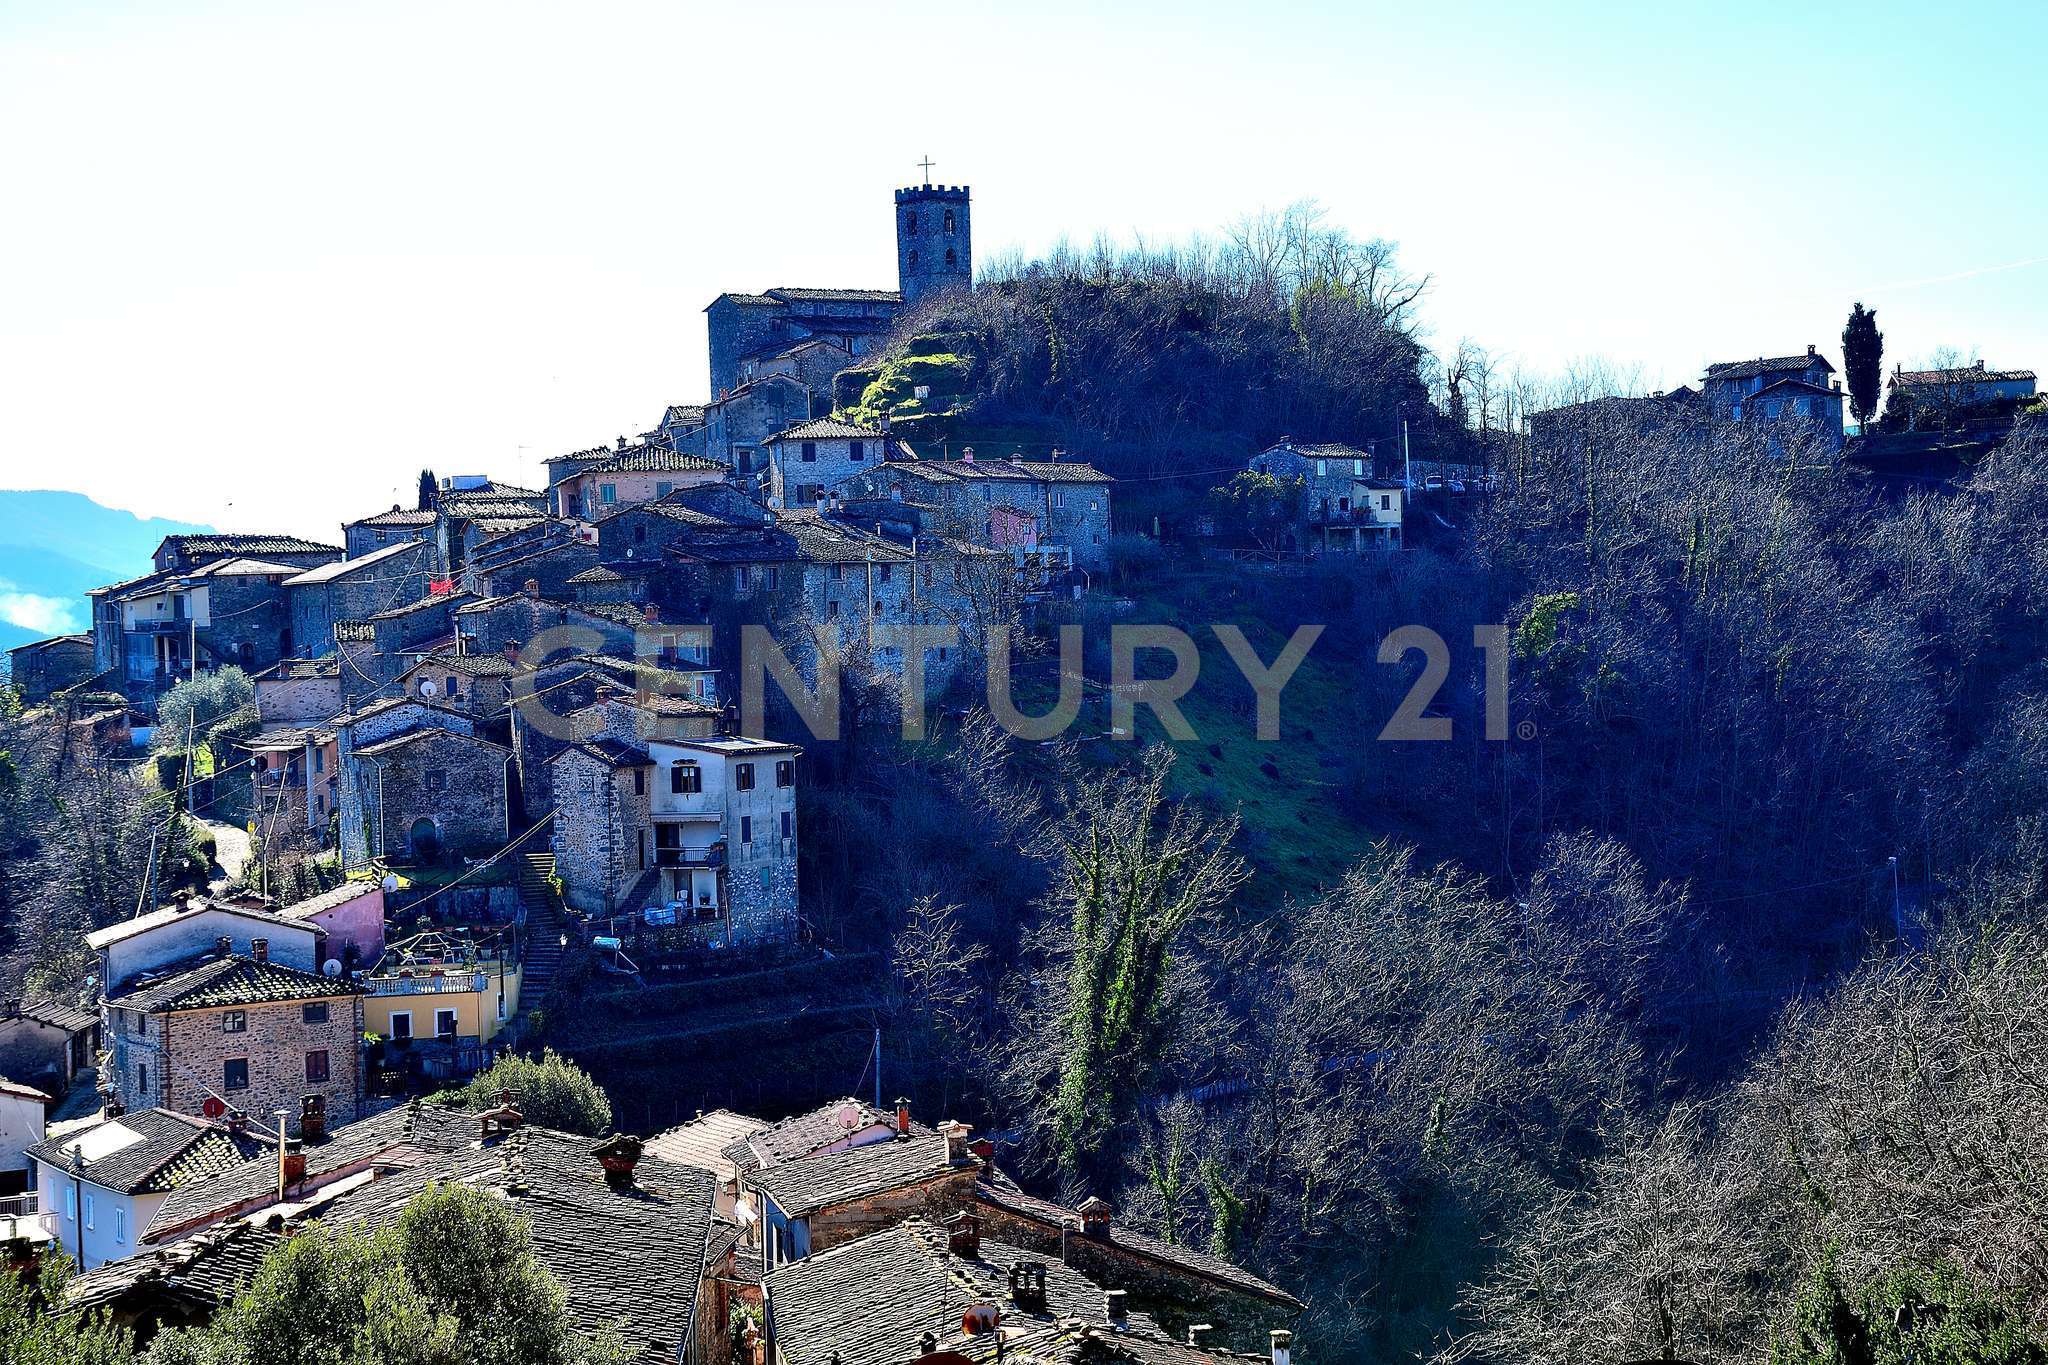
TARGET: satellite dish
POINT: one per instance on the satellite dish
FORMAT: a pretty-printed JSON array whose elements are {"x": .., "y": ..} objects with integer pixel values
[
  {"x": 331, "y": 968},
  {"x": 848, "y": 1117},
  {"x": 213, "y": 1107},
  {"x": 390, "y": 881},
  {"x": 427, "y": 688}
]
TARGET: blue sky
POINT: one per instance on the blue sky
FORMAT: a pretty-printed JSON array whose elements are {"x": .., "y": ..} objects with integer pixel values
[{"x": 260, "y": 263}]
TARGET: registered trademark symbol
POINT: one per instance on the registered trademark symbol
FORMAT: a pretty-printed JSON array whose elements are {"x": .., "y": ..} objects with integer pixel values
[{"x": 1525, "y": 730}]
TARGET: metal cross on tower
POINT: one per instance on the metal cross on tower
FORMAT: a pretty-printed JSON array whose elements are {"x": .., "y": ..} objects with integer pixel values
[{"x": 926, "y": 166}]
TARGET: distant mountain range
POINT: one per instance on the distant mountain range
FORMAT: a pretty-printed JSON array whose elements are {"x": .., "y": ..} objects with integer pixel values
[{"x": 55, "y": 546}]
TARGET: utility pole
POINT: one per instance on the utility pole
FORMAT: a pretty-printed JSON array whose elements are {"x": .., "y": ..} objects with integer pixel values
[
  {"x": 878, "y": 1066},
  {"x": 281, "y": 1115},
  {"x": 1407, "y": 461}
]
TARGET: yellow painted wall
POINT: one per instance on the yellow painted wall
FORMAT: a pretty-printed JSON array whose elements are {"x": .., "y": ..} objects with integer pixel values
[{"x": 476, "y": 1015}]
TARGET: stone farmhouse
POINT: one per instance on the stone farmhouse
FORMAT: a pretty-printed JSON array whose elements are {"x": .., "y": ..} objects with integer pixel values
[
  {"x": 41, "y": 668},
  {"x": 1345, "y": 507},
  {"x": 46, "y": 1042},
  {"x": 1788, "y": 399},
  {"x": 373, "y": 533},
  {"x": 1034, "y": 510}
]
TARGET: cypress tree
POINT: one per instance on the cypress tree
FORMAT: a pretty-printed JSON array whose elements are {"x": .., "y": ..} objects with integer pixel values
[{"x": 1863, "y": 362}]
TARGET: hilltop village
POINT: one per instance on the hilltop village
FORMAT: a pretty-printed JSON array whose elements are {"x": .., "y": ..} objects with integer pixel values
[
  {"x": 498, "y": 738},
  {"x": 493, "y": 736}
]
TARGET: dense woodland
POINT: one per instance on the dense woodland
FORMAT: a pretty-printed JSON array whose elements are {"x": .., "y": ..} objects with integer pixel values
[{"x": 1701, "y": 1018}]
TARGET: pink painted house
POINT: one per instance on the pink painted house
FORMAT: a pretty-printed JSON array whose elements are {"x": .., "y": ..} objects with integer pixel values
[
  {"x": 1011, "y": 529},
  {"x": 353, "y": 916}
]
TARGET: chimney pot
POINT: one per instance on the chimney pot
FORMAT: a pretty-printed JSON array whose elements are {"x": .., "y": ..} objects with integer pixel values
[
  {"x": 294, "y": 1163},
  {"x": 902, "y": 1118},
  {"x": 618, "y": 1155},
  {"x": 1095, "y": 1215},
  {"x": 956, "y": 1139},
  {"x": 238, "y": 1121},
  {"x": 651, "y": 614},
  {"x": 963, "y": 1235},
  {"x": 1198, "y": 1333},
  {"x": 622, "y": 443},
  {"x": 1283, "y": 1345},
  {"x": 223, "y": 945},
  {"x": 533, "y": 587},
  {"x": 259, "y": 948},
  {"x": 1116, "y": 1304}
]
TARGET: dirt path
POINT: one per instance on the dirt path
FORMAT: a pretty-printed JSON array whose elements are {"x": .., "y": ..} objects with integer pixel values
[{"x": 231, "y": 851}]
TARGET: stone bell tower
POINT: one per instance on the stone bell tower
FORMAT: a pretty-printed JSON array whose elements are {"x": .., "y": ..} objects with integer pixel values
[{"x": 934, "y": 247}]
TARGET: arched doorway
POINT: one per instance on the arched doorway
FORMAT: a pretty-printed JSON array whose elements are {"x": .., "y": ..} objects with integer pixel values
[{"x": 425, "y": 839}]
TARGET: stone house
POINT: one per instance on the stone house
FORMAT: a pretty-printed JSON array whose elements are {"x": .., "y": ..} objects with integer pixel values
[
  {"x": 653, "y": 808},
  {"x": 1787, "y": 399},
  {"x": 814, "y": 363},
  {"x": 43, "y": 667},
  {"x": 242, "y": 1030},
  {"x": 1925, "y": 398},
  {"x": 479, "y": 685},
  {"x": 367, "y": 535},
  {"x": 737, "y": 425},
  {"x": 1345, "y": 507},
  {"x": 636, "y": 535},
  {"x": 548, "y": 706},
  {"x": 744, "y": 327},
  {"x": 363, "y": 828},
  {"x": 826, "y": 1198},
  {"x": 300, "y": 691},
  {"x": 1058, "y": 505},
  {"x": 101, "y": 1185},
  {"x": 809, "y": 570},
  {"x": 470, "y": 510},
  {"x": 429, "y": 793},
  {"x": 814, "y": 459},
  {"x": 353, "y": 590},
  {"x": 632, "y": 475},
  {"x": 547, "y": 554},
  {"x": 46, "y": 1042},
  {"x": 181, "y": 554},
  {"x": 490, "y": 625}
]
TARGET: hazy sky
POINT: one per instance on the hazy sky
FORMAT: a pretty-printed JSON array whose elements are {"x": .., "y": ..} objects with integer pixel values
[{"x": 260, "y": 263}]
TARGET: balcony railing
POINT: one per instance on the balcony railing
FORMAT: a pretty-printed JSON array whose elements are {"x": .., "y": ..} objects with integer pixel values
[
  {"x": 22, "y": 1216},
  {"x": 461, "y": 984},
  {"x": 685, "y": 857}
]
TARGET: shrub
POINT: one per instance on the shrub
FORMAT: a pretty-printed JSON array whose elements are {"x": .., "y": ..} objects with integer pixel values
[{"x": 553, "y": 1092}]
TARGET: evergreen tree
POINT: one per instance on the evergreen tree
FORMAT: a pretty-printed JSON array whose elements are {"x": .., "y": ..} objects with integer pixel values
[
  {"x": 553, "y": 1092},
  {"x": 430, "y": 491},
  {"x": 1863, "y": 362}
]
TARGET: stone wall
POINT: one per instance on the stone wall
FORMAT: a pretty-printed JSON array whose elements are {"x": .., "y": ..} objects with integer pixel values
[
  {"x": 456, "y": 783},
  {"x": 600, "y": 812},
  {"x": 934, "y": 1200},
  {"x": 934, "y": 244},
  {"x": 51, "y": 667},
  {"x": 186, "y": 1053}
]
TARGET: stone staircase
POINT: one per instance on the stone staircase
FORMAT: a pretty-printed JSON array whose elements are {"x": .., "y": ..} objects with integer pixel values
[{"x": 544, "y": 927}]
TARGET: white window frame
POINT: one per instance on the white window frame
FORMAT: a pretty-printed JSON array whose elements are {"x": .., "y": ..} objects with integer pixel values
[
  {"x": 91, "y": 1212},
  {"x": 397, "y": 1015},
  {"x": 120, "y": 1226},
  {"x": 454, "y": 1021},
  {"x": 71, "y": 1201}
]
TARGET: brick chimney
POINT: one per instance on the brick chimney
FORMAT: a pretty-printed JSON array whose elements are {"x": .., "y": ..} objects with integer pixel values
[
  {"x": 984, "y": 1151},
  {"x": 1116, "y": 1305},
  {"x": 223, "y": 945},
  {"x": 294, "y": 1162},
  {"x": 618, "y": 1154},
  {"x": 259, "y": 948},
  {"x": 902, "y": 1118},
  {"x": 963, "y": 1235},
  {"x": 1095, "y": 1212},
  {"x": 967, "y": 455},
  {"x": 313, "y": 1118},
  {"x": 238, "y": 1121},
  {"x": 511, "y": 651},
  {"x": 651, "y": 614},
  {"x": 1283, "y": 1345},
  {"x": 533, "y": 587},
  {"x": 503, "y": 1117}
]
